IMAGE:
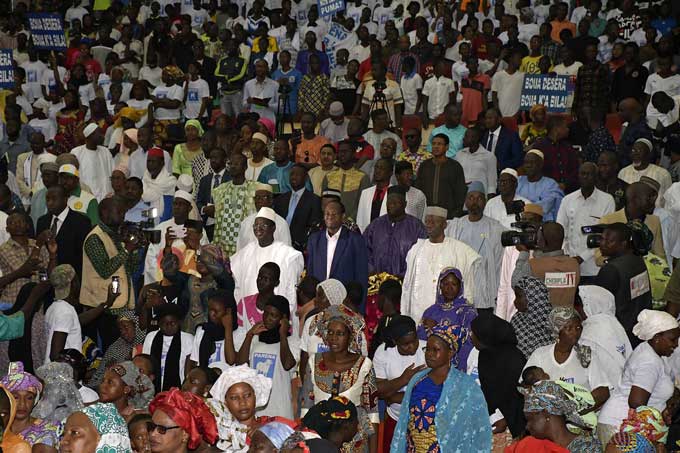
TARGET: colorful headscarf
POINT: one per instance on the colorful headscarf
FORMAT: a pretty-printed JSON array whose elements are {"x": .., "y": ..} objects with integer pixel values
[
  {"x": 213, "y": 258},
  {"x": 17, "y": 380},
  {"x": 647, "y": 421},
  {"x": 537, "y": 108},
  {"x": 195, "y": 124},
  {"x": 632, "y": 443},
  {"x": 277, "y": 433},
  {"x": 533, "y": 326},
  {"x": 112, "y": 429},
  {"x": 129, "y": 113},
  {"x": 142, "y": 387},
  {"x": 452, "y": 334},
  {"x": 334, "y": 290},
  {"x": 269, "y": 125},
  {"x": 174, "y": 72},
  {"x": 324, "y": 414},
  {"x": 354, "y": 322},
  {"x": 459, "y": 300},
  {"x": 190, "y": 413},
  {"x": 560, "y": 317},
  {"x": 549, "y": 397}
]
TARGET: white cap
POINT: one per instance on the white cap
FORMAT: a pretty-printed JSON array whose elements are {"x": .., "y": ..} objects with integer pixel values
[
  {"x": 266, "y": 213},
  {"x": 510, "y": 171},
  {"x": 539, "y": 153},
  {"x": 185, "y": 183},
  {"x": 436, "y": 211},
  {"x": 44, "y": 158},
  {"x": 260, "y": 186},
  {"x": 184, "y": 195},
  {"x": 41, "y": 104},
  {"x": 261, "y": 137},
  {"x": 89, "y": 129},
  {"x": 69, "y": 170}
]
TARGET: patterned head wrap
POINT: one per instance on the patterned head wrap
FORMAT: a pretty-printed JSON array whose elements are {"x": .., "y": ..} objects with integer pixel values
[
  {"x": 60, "y": 397},
  {"x": 537, "y": 108},
  {"x": 61, "y": 278},
  {"x": 174, "y": 72},
  {"x": 324, "y": 414},
  {"x": 354, "y": 322},
  {"x": 452, "y": 334},
  {"x": 189, "y": 412},
  {"x": 195, "y": 124},
  {"x": 213, "y": 258},
  {"x": 459, "y": 297},
  {"x": 532, "y": 327},
  {"x": 647, "y": 421},
  {"x": 17, "y": 380},
  {"x": 261, "y": 385},
  {"x": 277, "y": 433},
  {"x": 632, "y": 443},
  {"x": 560, "y": 317},
  {"x": 334, "y": 290},
  {"x": 549, "y": 397},
  {"x": 112, "y": 429},
  {"x": 142, "y": 387},
  {"x": 641, "y": 237},
  {"x": 129, "y": 113}
]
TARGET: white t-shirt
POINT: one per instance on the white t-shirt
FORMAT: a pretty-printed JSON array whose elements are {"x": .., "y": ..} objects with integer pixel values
[
  {"x": 62, "y": 317},
  {"x": 389, "y": 364},
  {"x": 174, "y": 92},
  {"x": 670, "y": 85},
  {"x": 198, "y": 89},
  {"x": 48, "y": 80},
  {"x": 198, "y": 18},
  {"x": 151, "y": 75},
  {"x": 217, "y": 355},
  {"x": 187, "y": 345},
  {"x": 266, "y": 360},
  {"x": 87, "y": 94},
  {"x": 409, "y": 89},
  {"x": 571, "y": 370},
  {"x": 34, "y": 77},
  {"x": 508, "y": 88},
  {"x": 644, "y": 369},
  {"x": 312, "y": 343},
  {"x": 438, "y": 92},
  {"x": 47, "y": 127}
]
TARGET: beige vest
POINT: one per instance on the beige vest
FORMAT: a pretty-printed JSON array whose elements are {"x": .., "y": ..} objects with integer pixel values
[
  {"x": 94, "y": 288},
  {"x": 560, "y": 274}
]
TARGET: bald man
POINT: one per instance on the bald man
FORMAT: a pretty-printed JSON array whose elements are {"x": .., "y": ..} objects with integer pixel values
[{"x": 580, "y": 208}]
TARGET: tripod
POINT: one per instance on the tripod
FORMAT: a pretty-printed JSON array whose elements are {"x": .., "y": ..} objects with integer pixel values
[
  {"x": 379, "y": 101},
  {"x": 283, "y": 114}
]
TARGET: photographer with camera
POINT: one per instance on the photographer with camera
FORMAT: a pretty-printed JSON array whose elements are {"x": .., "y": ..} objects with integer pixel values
[
  {"x": 508, "y": 206},
  {"x": 625, "y": 273},
  {"x": 382, "y": 93},
  {"x": 559, "y": 272}
]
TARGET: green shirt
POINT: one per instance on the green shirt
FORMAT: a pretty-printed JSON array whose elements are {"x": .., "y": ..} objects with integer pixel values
[{"x": 11, "y": 327}]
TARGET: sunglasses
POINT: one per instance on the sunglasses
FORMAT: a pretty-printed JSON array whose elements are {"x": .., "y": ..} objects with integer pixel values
[{"x": 151, "y": 427}]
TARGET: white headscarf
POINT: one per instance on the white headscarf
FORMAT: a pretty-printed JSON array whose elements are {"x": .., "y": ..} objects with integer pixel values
[
  {"x": 334, "y": 290},
  {"x": 651, "y": 322}
]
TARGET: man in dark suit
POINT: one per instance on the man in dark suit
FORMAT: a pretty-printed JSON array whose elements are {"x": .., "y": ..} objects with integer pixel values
[
  {"x": 204, "y": 200},
  {"x": 67, "y": 226},
  {"x": 501, "y": 141},
  {"x": 348, "y": 260},
  {"x": 300, "y": 207}
]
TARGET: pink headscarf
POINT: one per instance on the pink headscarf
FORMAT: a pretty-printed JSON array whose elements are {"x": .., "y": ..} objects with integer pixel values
[
  {"x": 132, "y": 135},
  {"x": 269, "y": 124}
]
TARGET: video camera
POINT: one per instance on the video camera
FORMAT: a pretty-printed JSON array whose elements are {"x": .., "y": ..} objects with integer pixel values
[
  {"x": 284, "y": 88},
  {"x": 526, "y": 236},
  {"x": 594, "y": 233},
  {"x": 379, "y": 86},
  {"x": 515, "y": 207},
  {"x": 146, "y": 229}
]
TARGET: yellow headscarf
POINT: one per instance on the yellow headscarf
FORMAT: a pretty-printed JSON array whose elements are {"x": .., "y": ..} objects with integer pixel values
[{"x": 196, "y": 124}]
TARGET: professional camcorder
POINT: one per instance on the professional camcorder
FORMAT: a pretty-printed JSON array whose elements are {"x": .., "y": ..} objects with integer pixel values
[
  {"x": 594, "y": 233},
  {"x": 526, "y": 236},
  {"x": 144, "y": 231},
  {"x": 515, "y": 207}
]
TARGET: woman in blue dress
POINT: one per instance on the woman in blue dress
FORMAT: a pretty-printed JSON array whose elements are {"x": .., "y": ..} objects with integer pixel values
[{"x": 446, "y": 408}]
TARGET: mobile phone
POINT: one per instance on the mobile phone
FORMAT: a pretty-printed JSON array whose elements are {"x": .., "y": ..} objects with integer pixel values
[
  {"x": 42, "y": 276},
  {"x": 115, "y": 284}
]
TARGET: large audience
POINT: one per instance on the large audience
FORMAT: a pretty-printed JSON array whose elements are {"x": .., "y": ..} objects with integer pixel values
[{"x": 287, "y": 226}]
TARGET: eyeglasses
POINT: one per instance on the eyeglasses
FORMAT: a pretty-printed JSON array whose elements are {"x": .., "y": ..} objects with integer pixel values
[{"x": 151, "y": 427}]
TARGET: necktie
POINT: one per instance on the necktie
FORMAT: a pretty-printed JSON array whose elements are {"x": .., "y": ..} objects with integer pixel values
[
  {"x": 216, "y": 180},
  {"x": 291, "y": 207},
  {"x": 54, "y": 226},
  {"x": 489, "y": 146}
]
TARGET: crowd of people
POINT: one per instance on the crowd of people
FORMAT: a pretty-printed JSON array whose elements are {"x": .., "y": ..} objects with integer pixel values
[{"x": 251, "y": 226}]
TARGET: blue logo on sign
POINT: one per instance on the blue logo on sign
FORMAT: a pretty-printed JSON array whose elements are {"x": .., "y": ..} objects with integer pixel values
[{"x": 192, "y": 96}]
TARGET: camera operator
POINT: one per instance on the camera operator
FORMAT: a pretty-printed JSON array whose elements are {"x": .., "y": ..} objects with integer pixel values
[
  {"x": 382, "y": 89},
  {"x": 559, "y": 272},
  {"x": 497, "y": 207},
  {"x": 625, "y": 274},
  {"x": 134, "y": 188}
]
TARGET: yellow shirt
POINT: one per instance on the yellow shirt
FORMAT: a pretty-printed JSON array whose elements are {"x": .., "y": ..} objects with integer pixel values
[{"x": 530, "y": 64}]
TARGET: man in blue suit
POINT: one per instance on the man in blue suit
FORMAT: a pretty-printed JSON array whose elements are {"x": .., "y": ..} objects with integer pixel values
[
  {"x": 204, "y": 200},
  {"x": 501, "y": 141},
  {"x": 336, "y": 252}
]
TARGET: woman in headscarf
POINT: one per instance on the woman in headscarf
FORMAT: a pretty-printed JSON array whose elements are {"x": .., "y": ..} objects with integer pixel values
[
  {"x": 602, "y": 331},
  {"x": 60, "y": 395},
  {"x": 570, "y": 361},
  {"x": 647, "y": 422},
  {"x": 630, "y": 443},
  {"x": 537, "y": 128},
  {"x": 344, "y": 371},
  {"x": 395, "y": 362},
  {"x": 128, "y": 389},
  {"x": 10, "y": 442},
  {"x": 500, "y": 366},
  {"x": 167, "y": 99},
  {"x": 238, "y": 392},
  {"x": 270, "y": 437},
  {"x": 70, "y": 120},
  {"x": 444, "y": 409},
  {"x": 131, "y": 337},
  {"x": 531, "y": 322},
  {"x": 95, "y": 429},
  {"x": 647, "y": 378},
  {"x": 180, "y": 421},
  {"x": 450, "y": 308},
  {"x": 26, "y": 389},
  {"x": 185, "y": 153},
  {"x": 271, "y": 350},
  {"x": 334, "y": 419},
  {"x": 548, "y": 409},
  {"x": 128, "y": 144}
]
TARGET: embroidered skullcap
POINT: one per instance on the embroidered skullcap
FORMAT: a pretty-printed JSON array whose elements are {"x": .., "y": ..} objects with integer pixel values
[
  {"x": 190, "y": 413},
  {"x": 185, "y": 183},
  {"x": 69, "y": 170},
  {"x": 651, "y": 322},
  {"x": 261, "y": 137},
  {"x": 559, "y": 318},
  {"x": 155, "y": 152},
  {"x": 17, "y": 380},
  {"x": 436, "y": 211},
  {"x": 334, "y": 290},
  {"x": 261, "y": 385},
  {"x": 651, "y": 182},
  {"x": 123, "y": 168},
  {"x": 476, "y": 186},
  {"x": 61, "y": 278},
  {"x": 549, "y": 397},
  {"x": 112, "y": 429},
  {"x": 142, "y": 387},
  {"x": 260, "y": 186},
  {"x": 532, "y": 208},
  {"x": 537, "y": 152},
  {"x": 89, "y": 129},
  {"x": 266, "y": 213},
  {"x": 646, "y": 142},
  {"x": 336, "y": 109},
  {"x": 186, "y": 196},
  {"x": 277, "y": 433},
  {"x": 510, "y": 171},
  {"x": 68, "y": 158}
]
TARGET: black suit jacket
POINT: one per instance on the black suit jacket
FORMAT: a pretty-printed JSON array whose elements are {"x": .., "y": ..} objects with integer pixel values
[
  {"x": 208, "y": 74},
  {"x": 205, "y": 189},
  {"x": 509, "y": 151},
  {"x": 307, "y": 214},
  {"x": 70, "y": 238}
]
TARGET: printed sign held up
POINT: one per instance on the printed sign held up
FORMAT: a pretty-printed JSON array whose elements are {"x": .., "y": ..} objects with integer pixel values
[
  {"x": 550, "y": 91},
  {"x": 330, "y": 7},
  {"x": 6, "y": 69},
  {"x": 47, "y": 31}
]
